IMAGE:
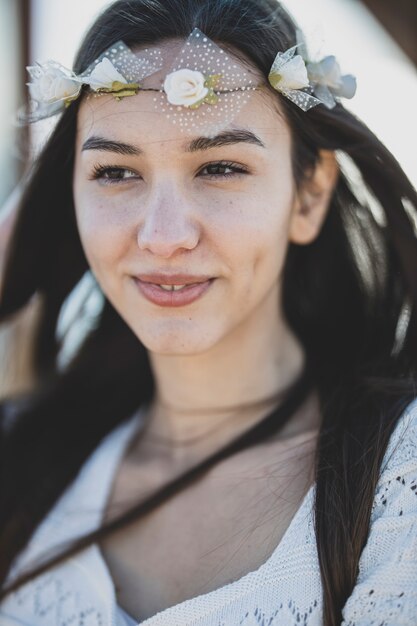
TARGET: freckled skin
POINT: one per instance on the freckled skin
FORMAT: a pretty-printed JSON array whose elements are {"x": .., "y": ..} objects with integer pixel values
[{"x": 169, "y": 218}]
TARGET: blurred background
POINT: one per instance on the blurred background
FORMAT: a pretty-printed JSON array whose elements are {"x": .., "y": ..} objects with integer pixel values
[{"x": 374, "y": 39}]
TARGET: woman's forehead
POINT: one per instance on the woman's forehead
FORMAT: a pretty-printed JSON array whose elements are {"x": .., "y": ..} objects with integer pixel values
[{"x": 137, "y": 117}]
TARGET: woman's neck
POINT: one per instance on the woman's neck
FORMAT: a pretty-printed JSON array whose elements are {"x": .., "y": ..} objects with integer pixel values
[{"x": 220, "y": 391}]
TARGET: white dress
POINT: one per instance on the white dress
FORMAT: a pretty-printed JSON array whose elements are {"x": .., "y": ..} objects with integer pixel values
[{"x": 284, "y": 591}]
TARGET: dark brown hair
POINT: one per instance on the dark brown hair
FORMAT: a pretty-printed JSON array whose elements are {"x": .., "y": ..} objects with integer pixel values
[{"x": 346, "y": 296}]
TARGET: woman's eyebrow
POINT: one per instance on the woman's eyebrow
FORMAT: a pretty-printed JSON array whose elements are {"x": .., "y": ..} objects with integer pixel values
[
  {"x": 225, "y": 138},
  {"x": 108, "y": 145}
]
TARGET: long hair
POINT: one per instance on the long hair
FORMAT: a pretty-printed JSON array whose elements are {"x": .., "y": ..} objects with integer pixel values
[{"x": 350, "y": 297}]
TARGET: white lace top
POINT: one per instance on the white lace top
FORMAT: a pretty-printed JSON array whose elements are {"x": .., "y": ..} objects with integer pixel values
[{"x": 284, "y": 591}]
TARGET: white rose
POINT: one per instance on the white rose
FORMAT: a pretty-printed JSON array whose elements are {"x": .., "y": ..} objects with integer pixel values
[
  {"x": 51, "y": 83},
  {"x": 327, "y": 72},
  {"x": 289, "y": 74},
  {"x": 185, "y": 87},
  {"x": 294, "y": 74},
  {"x": 104, "y": 75},
  {"x": 347, "y": 88}
]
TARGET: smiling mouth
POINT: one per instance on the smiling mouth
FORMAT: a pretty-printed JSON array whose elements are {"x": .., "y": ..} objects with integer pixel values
[
  {"x": 174, "y": 287},
  {"x": 173, "y": 293}
]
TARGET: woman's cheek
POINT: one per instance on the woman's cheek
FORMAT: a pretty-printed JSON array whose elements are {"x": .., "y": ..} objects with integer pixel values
[
  {"x": 97, "y": 216},
  {"x": 95, "y": 232}
]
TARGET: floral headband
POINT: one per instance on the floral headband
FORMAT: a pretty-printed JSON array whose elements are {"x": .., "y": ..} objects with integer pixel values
[
  {"x": 308, "y": 84},
  {"x": 204, "y": 85}
]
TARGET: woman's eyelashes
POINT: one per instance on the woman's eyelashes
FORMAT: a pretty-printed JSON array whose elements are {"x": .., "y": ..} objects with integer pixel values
[
  {"x": 222, "y": 169},
  {"x": 110, "y": 175},
  {"x": 115, "y": 175}
]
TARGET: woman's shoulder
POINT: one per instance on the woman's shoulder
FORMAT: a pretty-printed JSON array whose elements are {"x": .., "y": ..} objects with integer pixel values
[
  {"x": 402, "y": 446},
  {"x": 396, "y": 490},
  {"x": 385, "y": 589},
  {"x": 79, "y": 509}
]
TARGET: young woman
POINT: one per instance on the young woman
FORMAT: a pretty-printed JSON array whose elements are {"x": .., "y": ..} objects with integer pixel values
[{"x": 235, "y": 441}]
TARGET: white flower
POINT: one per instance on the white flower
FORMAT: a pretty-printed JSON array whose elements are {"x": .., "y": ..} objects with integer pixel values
[
  {"x": 288, "y": 72},
  {"x": 348, "y": 87},
  {"x": 327, "y": 73},
  {"x": 52, "y": 83},
  {"x": 294, "y": 74},
  {"x": 185, "y": 87},
  {"x": 104, "y": 75}
]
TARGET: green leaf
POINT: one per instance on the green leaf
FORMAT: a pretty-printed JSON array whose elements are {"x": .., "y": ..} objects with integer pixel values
[
  {"x": 70, "y": 99},
  {"x": 275, "y": 79},
  {"x": 122, "y": 89},
  {"x": 211, "y": 98},
  {"x": 212, "y": 81},
  {"x": 196, "y": 105},
  {"x": 118, "y": 86},
  {"x": 123, "y": 94}
]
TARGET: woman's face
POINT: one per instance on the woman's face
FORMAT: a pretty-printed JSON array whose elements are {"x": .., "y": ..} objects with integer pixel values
[{"x": 157, "y": 207}]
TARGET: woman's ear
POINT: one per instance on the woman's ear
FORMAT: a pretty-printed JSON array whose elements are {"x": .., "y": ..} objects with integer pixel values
[{"x": 313, "y": 200}]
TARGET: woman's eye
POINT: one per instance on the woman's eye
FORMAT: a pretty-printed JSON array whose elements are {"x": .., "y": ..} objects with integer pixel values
[
  {"x": 112, "y": 175},
  {"x": 222, "y": 170}
]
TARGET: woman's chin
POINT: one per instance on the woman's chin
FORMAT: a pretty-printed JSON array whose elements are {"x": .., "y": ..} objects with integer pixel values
[{"x": 177, "y": 340}]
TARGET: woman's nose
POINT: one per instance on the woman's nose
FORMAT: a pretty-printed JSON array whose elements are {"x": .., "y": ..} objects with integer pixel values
[{"x": 168, "y": 226}]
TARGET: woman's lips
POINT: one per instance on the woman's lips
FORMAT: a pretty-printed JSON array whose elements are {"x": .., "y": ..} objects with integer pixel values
[{"x": 190, "y": 292}]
